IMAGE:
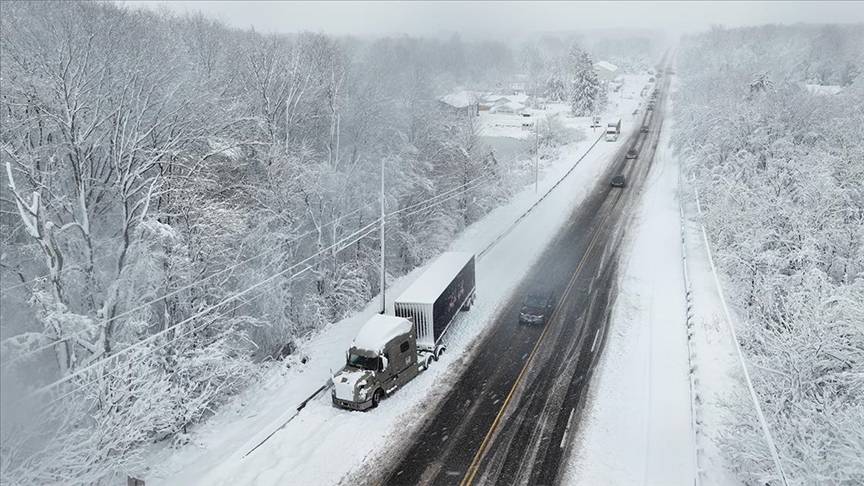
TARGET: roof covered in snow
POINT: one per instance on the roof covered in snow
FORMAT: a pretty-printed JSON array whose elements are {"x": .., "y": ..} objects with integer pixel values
[
  {"x": 379, "y": 330},
  {"x": 436, "y": 278},
  {"x": 511, "y": 106},
  {"x": 461, "y": 99},
  {"x": 514, "y": 98},
  {"x": 493, "y": 98},
  {"x": 823, "y": 90},
  {"x": 606, "y": 65}
]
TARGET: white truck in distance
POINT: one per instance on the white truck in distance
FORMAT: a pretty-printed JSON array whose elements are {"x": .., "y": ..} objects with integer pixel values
[
  {"x": 613, "y": 129},
  {"x": 390, "y": 351}
]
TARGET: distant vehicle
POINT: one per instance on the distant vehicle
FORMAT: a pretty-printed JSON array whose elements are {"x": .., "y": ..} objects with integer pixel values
[
  {"x": 613, "y": 129},
  {"x": 651, "y": 105},
  {"x": 651, "y": 80},
  {"x": 537, "y": 306},
  {"x": 619, "y": 181},
  {"x": 644, "y": 129},
  {"x": 390, "y": 351},
  {"x": 632, "y": 153},
  {"x": 595, "y": 122}
]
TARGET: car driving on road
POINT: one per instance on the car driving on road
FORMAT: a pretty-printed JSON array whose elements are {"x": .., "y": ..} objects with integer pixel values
[
  {"x": 632, "y": 153},
  {"x": 619, "y": 181},
  {"x": 537, "y": 306}
]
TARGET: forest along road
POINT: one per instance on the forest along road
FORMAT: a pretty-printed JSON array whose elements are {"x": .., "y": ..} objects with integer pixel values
[{"x": 508, "y": 417}]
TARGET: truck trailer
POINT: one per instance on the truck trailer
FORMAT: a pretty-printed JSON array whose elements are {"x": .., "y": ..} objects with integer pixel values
[
  {"x": 613, "y": 129},
  {"x": 390, "y": 351}
]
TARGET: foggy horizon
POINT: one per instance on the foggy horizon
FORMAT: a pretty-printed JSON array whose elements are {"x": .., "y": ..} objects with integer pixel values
[{"x": 473, "y": 20}]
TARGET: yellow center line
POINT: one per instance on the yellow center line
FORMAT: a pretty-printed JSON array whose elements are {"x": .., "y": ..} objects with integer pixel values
[{"x": 474, "y": 467}]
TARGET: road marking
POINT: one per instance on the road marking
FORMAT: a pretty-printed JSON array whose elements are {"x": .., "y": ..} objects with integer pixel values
[
  {"x": 595, "y": 340},
  {"x": 566, "y": 429},
  {"x": 475, "y": 463}
]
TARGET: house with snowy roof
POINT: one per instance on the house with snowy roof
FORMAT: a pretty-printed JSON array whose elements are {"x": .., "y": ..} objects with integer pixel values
[
  {"x": 606, "y": 71},
  {"x": 509, "y": 108},
  {"x": 462, "y": 102}
]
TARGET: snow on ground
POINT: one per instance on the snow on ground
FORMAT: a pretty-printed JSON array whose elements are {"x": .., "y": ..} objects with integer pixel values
[
  {"x": 718, "y": 371},
  {"x": 636, "y": 427},
  {"x": 322, "y": 444},
  {"x": 621, "y": 103}
]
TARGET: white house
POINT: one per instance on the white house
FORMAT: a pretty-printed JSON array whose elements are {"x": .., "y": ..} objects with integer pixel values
[
  {"x": 606, "y": 71},
  {"x": 509, "y": 108}
]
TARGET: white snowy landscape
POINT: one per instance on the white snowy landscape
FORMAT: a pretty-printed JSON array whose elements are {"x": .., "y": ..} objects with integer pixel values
[{"x": 197, "y": 206}]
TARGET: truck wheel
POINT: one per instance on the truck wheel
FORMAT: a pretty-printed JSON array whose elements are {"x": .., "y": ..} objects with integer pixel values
[
  {"x": 427, "y": 362},
  {"x": 439, "y": 350},
  {"x": 376, "y": 397},
  {"x": 468, "y": 304}
]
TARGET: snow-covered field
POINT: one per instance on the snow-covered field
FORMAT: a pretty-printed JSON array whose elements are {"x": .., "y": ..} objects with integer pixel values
[
  {"x": 303, "y": 451},
  {"x": 636, "y": 427}
]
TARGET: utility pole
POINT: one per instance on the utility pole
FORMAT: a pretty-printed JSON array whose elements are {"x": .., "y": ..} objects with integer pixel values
[
  {"x": 383, "y": 282},
  {"x": 536, "y": 154}
]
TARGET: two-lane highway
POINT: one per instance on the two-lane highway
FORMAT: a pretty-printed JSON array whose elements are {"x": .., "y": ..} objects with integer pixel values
[{"x": 508, "y": 418}]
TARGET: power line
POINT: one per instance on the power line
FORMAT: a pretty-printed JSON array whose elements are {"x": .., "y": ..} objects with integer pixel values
[
  {"x": 169, "y": 294},
  {"x": 368, "y": 229},
  {"x": 67, "y": 378},
  {"x": 81, "y": 387},
  {"x": 464, "y": 187}
]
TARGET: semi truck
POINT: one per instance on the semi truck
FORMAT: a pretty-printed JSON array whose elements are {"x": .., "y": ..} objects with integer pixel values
[
  {"x": 613, "y": 129},
  {"x": 390, "y": 351}
]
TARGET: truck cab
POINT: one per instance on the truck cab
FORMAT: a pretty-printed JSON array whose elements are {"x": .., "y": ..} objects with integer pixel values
[{"x": 382, "y": 358}]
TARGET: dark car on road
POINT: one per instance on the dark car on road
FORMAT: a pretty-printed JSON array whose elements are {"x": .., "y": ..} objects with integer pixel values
[
  {"x": 644, "y": 129},
  {"x": 619, "y": 181},
  {"x": 632, "y": 153},
  {"x": 537, "y": 306}
]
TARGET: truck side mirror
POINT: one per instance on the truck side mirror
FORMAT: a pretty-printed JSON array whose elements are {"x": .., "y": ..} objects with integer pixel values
[{"x": 385, "y": 363}]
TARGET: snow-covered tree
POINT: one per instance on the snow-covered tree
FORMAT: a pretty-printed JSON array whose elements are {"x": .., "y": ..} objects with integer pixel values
[
  {"x": 584, "y": 85},
  {"x": 778, "y": 175}
]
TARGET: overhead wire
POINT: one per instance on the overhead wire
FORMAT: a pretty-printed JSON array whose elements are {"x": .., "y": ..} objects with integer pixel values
[{"x": 366, "y": 231}]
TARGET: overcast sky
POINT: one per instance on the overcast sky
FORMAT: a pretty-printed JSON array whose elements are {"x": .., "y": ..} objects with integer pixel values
[{"x": 501, "y": 18}]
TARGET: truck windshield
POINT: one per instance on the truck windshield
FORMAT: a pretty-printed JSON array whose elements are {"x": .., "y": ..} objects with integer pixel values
[{"x": 363, "y": 362}]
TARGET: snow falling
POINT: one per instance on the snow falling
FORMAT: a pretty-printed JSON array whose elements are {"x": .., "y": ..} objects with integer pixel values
[{"x": 192, "y": 221}]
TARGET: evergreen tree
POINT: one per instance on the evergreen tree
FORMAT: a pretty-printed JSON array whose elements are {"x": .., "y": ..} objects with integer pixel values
[
  {"x": 556, "y": 87},
  {"x": 584, "y": 85}
]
